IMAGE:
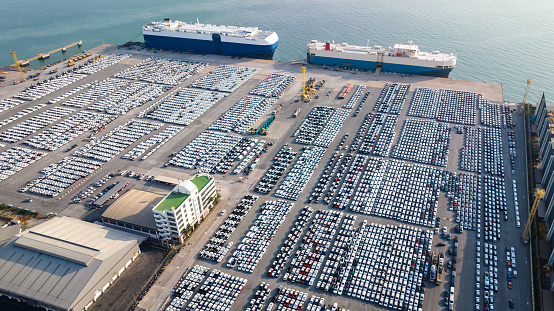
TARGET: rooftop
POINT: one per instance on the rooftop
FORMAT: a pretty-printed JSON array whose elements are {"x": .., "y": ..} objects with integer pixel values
[
  {"x": 200, "y": 182},
  {"x": 134, "y": 207},
  {"x": 60, "y": 260},
  {"x": 174, "y": 199}
]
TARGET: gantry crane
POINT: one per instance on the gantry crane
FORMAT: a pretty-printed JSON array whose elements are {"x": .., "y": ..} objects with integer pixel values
[
  {"x": 539, "y": 194},
  {"x": 529, "y": 81},
  {"x": 18, "y": 66}
]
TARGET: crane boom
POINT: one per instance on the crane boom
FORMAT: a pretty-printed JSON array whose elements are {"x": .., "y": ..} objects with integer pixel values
[
  {"x": 529, "y": 81},
  {"x": 539, "y": 194},
  {"x": 18, "y": 66}
]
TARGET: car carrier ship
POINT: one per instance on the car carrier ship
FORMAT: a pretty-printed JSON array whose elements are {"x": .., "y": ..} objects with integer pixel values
[
  {"x": 402, "y": 58},
  {"x": 210, "y": 39}
]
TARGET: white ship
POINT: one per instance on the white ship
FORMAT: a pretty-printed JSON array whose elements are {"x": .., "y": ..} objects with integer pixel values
[
  {"x": 402, "y": 58},
  {"x": 210, "y": 39}
]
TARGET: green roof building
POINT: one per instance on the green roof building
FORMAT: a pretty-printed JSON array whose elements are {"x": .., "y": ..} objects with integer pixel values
[{"x": 185, "y": 205}]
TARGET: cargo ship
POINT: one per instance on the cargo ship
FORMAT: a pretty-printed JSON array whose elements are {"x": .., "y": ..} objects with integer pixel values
[
  {"x": 210, "y": 39},
  {"x": 402, "y": 58}
]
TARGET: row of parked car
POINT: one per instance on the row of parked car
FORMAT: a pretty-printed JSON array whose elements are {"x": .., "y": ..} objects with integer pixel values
[
  {"x": 375, "y": 135},
  {"x": 495, "y": 202},
  {"x": 355, "y": 97},
  {"x": 243, "y": 114},
  {"x": 309, "y": 257},
  {"x": 326, "y": 177},
  {"x": 329, "y": 278},
  {"x": 205, "y": 151},
  {"x": 47, "y": 86},
  {"x": 218, "y": 292},
  {"x": 471, "y": 153},
  {"x": 446, "y": 105},
  {"x": 72, "y": 91},
  {"x": 97, "y": 90},
  {"x": 9, "y": 103},
  {"x": 17, "y": 158},
  {"x": 21, "y": 114},
  {"x": 290, "y": 243},
  {"x": 331, "y": 128},
  {"x": 298, "y": 177},
  {"x": 186, "y": 286},
  {"x": 58, "y": 176},
  {"x": 272, "y": 86},
  {"x": 392, "y": 98},
  {"x": 225, "y": 78},
  {"x": 254, "y": 245},
  {"x": 423, "y": 141},
  {"x": 157, "y": 141},
  {"x": 288, "y": 299},
  {"x": 335, "y": 180},
  {"x": 361, "y": 104},
  {"x": 254, "y": 156},
  {"x": 70, "y": 128},
  {"x": 101, "y": 63},
  {"x": 260, "y": 297},
  {"x": 516, "y": 204},
  {"x": 182, "y": 106},
  {"x": 493, "y": 157},
  {"x": 491, "y": 113},
  {"x": 131, "y": 96},
  {"x": 216, "y": 248},
  {"x": 508, "y": 116},
  {"x": 386, "y": 265},
  {"x": 34, "y": 124},
  {"x": 237, "y": 153},
  {"x": 464, "y": 197},
  {"x": 281, "y": 162},
  {"x": 88, "y": 191},
  {"x": 172, "y": 71},
  {"x": 313, "y": 125},
  {"x": 396, "y": 190},
  {"x": 513, "y": 150},
  {"x": 111, "y": 144}
]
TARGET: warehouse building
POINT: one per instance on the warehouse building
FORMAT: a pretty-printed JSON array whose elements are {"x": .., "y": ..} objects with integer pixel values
[
  {"x": 185, "y": 205},
  {"x": 133, "y": 211},
  {"x": 65, "y": 263}
]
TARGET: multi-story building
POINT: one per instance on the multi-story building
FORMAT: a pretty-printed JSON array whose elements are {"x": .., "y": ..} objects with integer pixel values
[
  {"x": 185, "y": 205},
  {"x": 545, "y": 129}
]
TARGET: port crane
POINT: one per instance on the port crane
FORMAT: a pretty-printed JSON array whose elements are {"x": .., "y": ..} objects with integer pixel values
[
  {"x": 529, "y": 81},
  {"x": 539, "y": 194},
  {"x": 18, "y": 66}
]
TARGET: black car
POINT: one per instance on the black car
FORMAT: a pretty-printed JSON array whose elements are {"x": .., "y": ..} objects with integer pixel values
[
  {"x": 441, "y": 244},
  {"x": 511, "y": 303}
]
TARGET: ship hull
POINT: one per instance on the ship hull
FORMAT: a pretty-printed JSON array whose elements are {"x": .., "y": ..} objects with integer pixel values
[
  {"x": 385, "y": 66},
  {"x": 210, "y": 46}
]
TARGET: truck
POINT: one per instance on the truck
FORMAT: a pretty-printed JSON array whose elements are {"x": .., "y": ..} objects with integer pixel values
[
  {"x": 433, "y": 274},
  {"x": 297, "y": 112},
  {"x": 440, "y": 268},
  {"x": 345, "y": 91}
]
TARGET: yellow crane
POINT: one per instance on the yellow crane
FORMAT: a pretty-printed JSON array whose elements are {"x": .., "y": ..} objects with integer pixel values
[
  {"x": 539, "y": 194},
  {"x": 303, "y": 81},
  {"x": 18, "y": 66},
  {"x": 529, "y": 81}
]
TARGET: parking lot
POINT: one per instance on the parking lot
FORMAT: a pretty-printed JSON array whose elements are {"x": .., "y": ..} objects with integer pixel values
[{"x": 280, "y": 133}]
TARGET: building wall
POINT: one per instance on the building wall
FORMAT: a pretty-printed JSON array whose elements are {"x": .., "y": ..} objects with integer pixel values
[{"x": 100, "y": 285}]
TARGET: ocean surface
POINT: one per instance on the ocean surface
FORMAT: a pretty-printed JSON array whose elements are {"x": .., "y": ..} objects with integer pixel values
[{"x": 497, "y": 41}]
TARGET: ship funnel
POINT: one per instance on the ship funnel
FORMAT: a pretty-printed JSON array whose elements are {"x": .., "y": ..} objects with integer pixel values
[{"x": 328, "y": 46}]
